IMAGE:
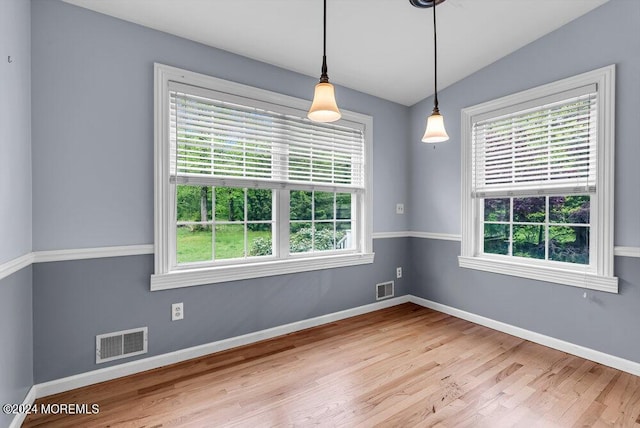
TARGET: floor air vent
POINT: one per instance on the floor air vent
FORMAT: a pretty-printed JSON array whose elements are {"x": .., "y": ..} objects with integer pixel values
[
  {"x": 121, "y": 344},
  {"x": 384, "y": 290}
]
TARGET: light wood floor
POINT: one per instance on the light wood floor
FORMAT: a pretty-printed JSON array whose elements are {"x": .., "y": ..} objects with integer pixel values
[{"x": 404, "y": 366}]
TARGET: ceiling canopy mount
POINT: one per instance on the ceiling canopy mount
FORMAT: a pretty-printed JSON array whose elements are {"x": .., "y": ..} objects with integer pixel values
[{"x": 422, "y": 4}]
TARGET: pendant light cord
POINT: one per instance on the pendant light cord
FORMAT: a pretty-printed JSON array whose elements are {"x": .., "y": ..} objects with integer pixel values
[
  {"x": 324, "y": 77},
  {"x": 435, "y": 59}
]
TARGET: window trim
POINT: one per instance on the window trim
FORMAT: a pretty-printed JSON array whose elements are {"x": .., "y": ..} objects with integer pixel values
[
  {"x": 602, "y": 277},
  {"x": 165, "y": 278}
]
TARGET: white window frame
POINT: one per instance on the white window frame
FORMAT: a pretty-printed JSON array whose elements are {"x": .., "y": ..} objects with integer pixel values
[
  {"x": 166, "y": 274},
  {"x": 599, "y": 274}
]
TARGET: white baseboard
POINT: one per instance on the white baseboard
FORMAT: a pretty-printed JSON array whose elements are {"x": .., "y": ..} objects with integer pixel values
[
  {"x": 28, "y": 401},
  {"x": 113, "y": 372},
  {"x": 561, "y": 345}
]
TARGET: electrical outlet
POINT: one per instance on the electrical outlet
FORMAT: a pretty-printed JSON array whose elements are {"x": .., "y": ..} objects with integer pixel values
[
  {"x": 398, "y": 272},
  {"x": 177, "y": 311},
  {"x": 399, "y": 208}
]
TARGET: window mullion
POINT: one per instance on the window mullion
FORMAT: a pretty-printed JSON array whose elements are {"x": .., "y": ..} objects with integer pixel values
[
  {"x": 282, "y": 223},
  {"x": 510, "y": 226},
  {"x": 246, "y": 226},
  {"x": 335, "y": 220},
  {"x": 313, "y": 221},
  {"x": 356, "y": 225},
  {"x": 280, "y": 170},
  {"x": 213, "y": 223},
  {"x": 546, "y": 229}
]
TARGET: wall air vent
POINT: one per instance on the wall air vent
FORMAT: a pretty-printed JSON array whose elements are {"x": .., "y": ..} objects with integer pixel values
[
  {"x": 384, "y": 290},
  {"x": 121, "y": 344}
]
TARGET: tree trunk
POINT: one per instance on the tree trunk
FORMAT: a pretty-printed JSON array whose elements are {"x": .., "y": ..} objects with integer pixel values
[
  {"x": 541, "y": 235},
  {"x": 581, "y": 236},
  {"x": 204, "y": 211}
]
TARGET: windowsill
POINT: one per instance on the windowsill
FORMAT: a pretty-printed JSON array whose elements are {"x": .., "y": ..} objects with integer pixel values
[
  {"x": 574, "y": 278},
  {"x": 213, "y": 275}
]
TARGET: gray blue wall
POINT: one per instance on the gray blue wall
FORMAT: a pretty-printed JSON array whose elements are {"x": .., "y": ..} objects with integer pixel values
[
  {"x": 602, "y": 321},
  {"x": 93, "y": 186},
  {"x": 15, "y": 130},
  {"x": 16, "y": 351}
]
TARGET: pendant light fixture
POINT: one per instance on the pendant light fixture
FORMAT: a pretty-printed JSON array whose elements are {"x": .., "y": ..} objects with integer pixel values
[
  {"x": 435, "y": 132},
  {"x": 324, "y": 107}
]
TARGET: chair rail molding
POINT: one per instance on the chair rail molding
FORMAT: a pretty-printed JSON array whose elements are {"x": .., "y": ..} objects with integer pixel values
[{"x": 21, "y": 262}]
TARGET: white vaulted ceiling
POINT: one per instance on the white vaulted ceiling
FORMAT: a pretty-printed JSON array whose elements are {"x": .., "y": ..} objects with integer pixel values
[{"x": 380, "y": 47}]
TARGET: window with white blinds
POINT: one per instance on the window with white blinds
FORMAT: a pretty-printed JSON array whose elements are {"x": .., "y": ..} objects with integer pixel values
[
  {"x": 215, "y": 141},
  {"x": 550, "y": 148},
  {"x": 245, "y": 186},
  {"x": 537, "y": 183}
]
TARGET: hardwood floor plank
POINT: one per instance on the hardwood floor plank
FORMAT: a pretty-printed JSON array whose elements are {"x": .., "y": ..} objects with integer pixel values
[{"x": 404, "y": 366}]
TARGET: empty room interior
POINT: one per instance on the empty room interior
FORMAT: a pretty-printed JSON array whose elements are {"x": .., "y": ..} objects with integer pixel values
[{"x": 320, "y": 213}]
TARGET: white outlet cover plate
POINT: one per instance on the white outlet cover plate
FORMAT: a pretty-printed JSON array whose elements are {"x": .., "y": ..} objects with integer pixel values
[
  {"x": 399, "y": 208},
  {"x": 177, "y": 311},
  {"x": 398, "y": 272}
]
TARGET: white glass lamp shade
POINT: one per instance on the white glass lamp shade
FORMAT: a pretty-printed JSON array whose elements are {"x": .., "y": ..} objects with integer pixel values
[
  {"x": 435, "y": 132},
  {"x": 324, "y": 107}
]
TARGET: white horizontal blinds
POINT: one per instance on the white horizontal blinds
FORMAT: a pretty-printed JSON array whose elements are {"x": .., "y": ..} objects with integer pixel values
[
  {"x": 218, "y": 142},
  {"x": 214, "y": 139},
  {"x": 548, "y": 149},
  {"x": 324, "y": 154}
]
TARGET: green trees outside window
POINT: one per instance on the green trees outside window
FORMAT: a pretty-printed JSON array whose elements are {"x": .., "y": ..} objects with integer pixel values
[{"x": 547, "y": 227}]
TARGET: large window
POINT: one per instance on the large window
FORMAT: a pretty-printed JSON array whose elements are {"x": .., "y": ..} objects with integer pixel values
[
  {"x": 538, "y": 183},
  {"x": 246, "y": 186}
]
